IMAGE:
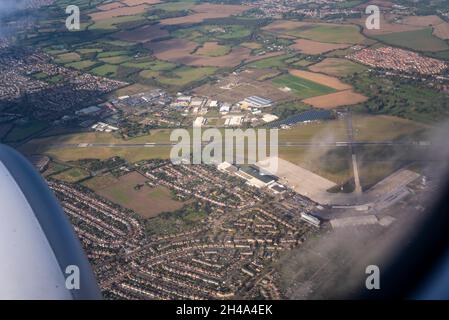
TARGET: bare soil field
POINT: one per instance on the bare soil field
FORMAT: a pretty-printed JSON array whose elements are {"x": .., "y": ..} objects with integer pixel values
[
  {"x": 142, "y": 34},
  {"x": 235, "y": 88},
  {"x": 335, "y": 100},
  {"x": 320, "y": 78},
  {"x": 337, "y": 67},
  {"x": 146, "y": 201},
  {"x": 315, "y": 47},
  {"x": 118, "y": 12},
  {"x": 181, "y": 51},
  {"x": 207, "y": 11}
]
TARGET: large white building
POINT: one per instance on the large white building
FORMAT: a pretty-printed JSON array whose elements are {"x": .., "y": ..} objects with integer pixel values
[{"x": 258, "y": 102}]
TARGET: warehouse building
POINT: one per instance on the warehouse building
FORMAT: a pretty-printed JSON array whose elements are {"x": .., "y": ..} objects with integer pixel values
[{"x": 258, "y": 102}]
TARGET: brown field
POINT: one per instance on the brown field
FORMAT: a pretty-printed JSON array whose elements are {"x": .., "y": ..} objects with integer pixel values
[
  {"x": 440, "y": 27},
  {"x": 117, "y": 12},
  {"x": 142, "y": 34},
  {"x": 442, "y": 31},
  {"x": 335, "y": 100},
  {"x": 422, "y": 21},
  {"x": 138, "y": 2},
  {"x": 207, "y": 11},
  {"x": 180, "y": 51},
  {"x": 147, "y": 202},
  {"x": 315, "y": 47},
  {"x": 281, "y": 26},
  {"x": 321, "y": 79},
  {"x": 387, "y": 25},
  {"x": 251, "y": 45},
  {"x": 110, "y": 6},
  {"x": 212, "y": 49},
  {"x": 235, "y": 88},
  {"x": 337, "y": 67}
]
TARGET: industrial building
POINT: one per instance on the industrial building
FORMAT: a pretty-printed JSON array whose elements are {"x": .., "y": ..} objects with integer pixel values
[
  {"x": 258, "y": 102},
  {"x": 255, "y": 178}
]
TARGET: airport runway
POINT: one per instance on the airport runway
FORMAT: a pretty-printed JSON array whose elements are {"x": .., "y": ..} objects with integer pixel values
[{"x": 281, "y": 144}]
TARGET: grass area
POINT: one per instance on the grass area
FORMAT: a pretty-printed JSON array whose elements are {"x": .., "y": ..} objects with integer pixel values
[
  {"x": 72, "y": 175},
  {"x": 172, "y": 222},
  {"x": 115, "y": 60},
  {"x": 67, "y": 57},
  {"x": 384, "y": 128},
  {"x": 89, "y": 50},
  {"x": 185, "y": 75},
  {"x": 406, "y": 100},
  {"x": 130, "y": 154},
  {"x": 54, "y": 167},
  {"x": 337, "y": 67},
  {"x": 111, "y": 24},
  {"x": 82, "y": 65},
  {"x": 106, "y": 70},
  {"x": 150, "y": 64},
  {"x": 330, "y": 163},
  {"x": 175, "y": 6},
  {"x": 301, "y": 87},
  {"x": 23, "y": 131},
  {"x": 421, "y": 40},
  {"x": 329, "y": 33},
  {"x": 211, "y": 49},
  {"x": 273, "y": 62},
  {"x": 131, "y": 191}
]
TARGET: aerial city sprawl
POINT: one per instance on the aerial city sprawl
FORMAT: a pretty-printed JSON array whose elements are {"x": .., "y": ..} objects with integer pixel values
[{"x": 355, "y": 109}]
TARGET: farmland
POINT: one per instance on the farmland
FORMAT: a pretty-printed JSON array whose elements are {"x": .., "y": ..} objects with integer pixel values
[
  {"x": 303, "y": 88},
  {"x": 420, "y": 40},
  {"x": 337, "y": 99},
  {"x": 337, "y": 67},
  {"x": 314, "y": 47}
]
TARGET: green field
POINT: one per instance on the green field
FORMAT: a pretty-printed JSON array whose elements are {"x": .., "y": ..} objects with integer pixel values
[
  {"x": 81, "y": 65},
  {"x": 420, "y": 40},
  {"x": 108, "y": 70},
  {"x": 115, "y": 59},
  {"x": 406, "y": 100},
  {"x": 111, "y": 24},
  {"x": 337, "y": 67},
  {"x": 67, "y": 57},
  {"x": 301, "y": 87},
  {"x": 329, "y": 33},
  {"x": 273, "y": 62},
  {"x": 185, "y": 75},
  {"x": 72, "y": 175},
  {"x": 175, "y": 6},
  {"x": 23, "y": 131}
]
